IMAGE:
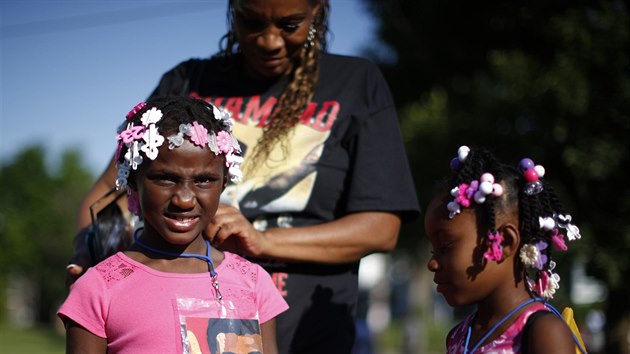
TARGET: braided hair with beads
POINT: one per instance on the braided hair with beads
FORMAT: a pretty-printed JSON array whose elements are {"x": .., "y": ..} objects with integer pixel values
[{"x": 482, "y": 182}]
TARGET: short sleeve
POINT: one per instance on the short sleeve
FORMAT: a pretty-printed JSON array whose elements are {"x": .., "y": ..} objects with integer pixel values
[
  {"x": 381, "y": 179},
  {"x": 270, "y": 302},
  {"x": 86, "y": 303}
]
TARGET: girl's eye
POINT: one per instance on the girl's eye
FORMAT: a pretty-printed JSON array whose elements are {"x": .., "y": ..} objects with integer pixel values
[
  {"x": 203, "y": 182},
  {"x": 163, "y": 180}
]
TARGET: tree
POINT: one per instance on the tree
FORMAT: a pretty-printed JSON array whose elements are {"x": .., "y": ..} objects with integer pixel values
[
  {"x": 37, "y": 213},
  {"x": 545, "y": 79}
]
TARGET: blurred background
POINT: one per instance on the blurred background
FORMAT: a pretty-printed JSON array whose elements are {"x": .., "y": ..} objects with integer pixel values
[{"x": 544, "y": 79}]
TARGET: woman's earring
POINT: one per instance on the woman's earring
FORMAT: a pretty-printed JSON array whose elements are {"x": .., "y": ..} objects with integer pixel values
[{"x": 310, "y": 38}]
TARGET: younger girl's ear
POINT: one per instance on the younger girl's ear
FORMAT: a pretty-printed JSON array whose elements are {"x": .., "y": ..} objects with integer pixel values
[{"x": 511, "y": 239}]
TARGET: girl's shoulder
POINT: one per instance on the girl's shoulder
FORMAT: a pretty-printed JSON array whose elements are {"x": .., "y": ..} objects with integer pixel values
[
  {"x": 239, "y": 265},
  {"x": 457, "y": 335},
  {"x": 116, "y": 268},
  {"x": 541, "y": 325}
]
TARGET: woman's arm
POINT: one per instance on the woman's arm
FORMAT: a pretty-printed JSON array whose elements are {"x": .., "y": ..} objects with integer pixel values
[
  {"x": 79, "y": 340},
  {"x": 103, "y": 184},
  {"x": 345, "y": 240},
  {"x": 268, "y": 334},
  {"x": 78, "y": 263}
]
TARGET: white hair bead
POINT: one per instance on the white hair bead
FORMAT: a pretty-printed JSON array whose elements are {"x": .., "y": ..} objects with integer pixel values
[{"x": 462, "y": 152}]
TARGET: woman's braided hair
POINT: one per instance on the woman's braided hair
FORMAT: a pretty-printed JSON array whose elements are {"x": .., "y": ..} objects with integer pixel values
[
  {"x": 296, "y": 95},
  {"x": 531, "y": 207}
]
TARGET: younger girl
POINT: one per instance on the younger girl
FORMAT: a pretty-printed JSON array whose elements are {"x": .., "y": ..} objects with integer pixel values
[
  {"x": 492, "y": 230},
  {"x": 171, "y": 291}
]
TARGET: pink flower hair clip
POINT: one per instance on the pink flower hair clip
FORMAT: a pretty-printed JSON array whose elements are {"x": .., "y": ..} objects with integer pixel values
[
  {"x": 476, "y": 190},
  {"x": 223, "y": 142},
  {"x": 532, "y": 174},
  {"x": 495, "y": 249}
]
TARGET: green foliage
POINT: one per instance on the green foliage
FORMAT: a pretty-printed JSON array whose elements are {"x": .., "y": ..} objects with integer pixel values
[
  {"x": 40, "y": 340},
  {"x": 37, "y": 215},
  {"x": 545, "y": 79}
]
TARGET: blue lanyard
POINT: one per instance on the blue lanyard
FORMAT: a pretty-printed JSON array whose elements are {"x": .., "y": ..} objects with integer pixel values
[
  {"x": 213, "y": 273},
  {"x": 496, "y": 325}
]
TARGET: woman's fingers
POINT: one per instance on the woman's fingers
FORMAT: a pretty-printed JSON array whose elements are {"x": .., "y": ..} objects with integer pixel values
[{"x": 233, "y": 232}]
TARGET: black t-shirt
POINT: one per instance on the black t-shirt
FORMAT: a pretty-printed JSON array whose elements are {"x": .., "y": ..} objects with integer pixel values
[{"x": 345, "y": 156}]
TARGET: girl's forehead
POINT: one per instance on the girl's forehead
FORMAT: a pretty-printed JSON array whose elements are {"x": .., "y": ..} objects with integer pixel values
[
  {"x": 437, "y": 206},
  {"x": 187, "y": 154}
]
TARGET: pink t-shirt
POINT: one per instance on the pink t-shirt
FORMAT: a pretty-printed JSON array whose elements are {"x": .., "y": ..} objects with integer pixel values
[
  {"x": 507, "y": 343},
  {"x": 141, "y": 310}
]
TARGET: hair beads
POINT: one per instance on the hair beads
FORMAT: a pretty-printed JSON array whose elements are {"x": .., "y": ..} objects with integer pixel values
[{"x": 543, "y": 224}]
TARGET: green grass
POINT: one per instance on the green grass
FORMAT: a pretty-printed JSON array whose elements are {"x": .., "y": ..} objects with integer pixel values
[{"x": 37, "y": 340}]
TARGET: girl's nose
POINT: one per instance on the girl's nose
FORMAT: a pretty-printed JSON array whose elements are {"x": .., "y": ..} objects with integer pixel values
[
  {"x": 432, "y": 265},
  {"x": 184, "y": 197}
]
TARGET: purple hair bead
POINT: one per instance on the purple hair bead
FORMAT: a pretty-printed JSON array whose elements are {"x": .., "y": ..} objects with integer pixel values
[
  {"x": 455, "y": 164},
  {"x": 526, "y": 164}
]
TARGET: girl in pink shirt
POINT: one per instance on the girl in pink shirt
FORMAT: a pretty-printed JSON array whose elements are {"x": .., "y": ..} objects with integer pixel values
[
  {"x": 171, "y": 291},
  {"x": 492, "y": 229}
]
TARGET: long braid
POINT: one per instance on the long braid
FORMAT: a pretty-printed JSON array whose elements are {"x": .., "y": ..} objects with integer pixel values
[{"x": 289, "y": 108}]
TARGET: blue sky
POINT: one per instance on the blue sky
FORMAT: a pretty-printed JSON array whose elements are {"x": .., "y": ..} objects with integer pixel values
[{"x": 72, "y": 69}]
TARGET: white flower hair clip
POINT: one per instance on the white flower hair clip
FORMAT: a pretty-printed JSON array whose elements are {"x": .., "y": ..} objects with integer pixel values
[
  {"x": 564, "y": 221},
  {"x": 146, "y": 138},
  {"x": 534, "y": 255}
]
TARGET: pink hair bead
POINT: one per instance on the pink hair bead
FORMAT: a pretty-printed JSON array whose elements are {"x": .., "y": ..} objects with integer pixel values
[
  {"x": 497, "y": 190},
  {"x": 487, "y": 177},
  {"x": 530, "y": 175}
]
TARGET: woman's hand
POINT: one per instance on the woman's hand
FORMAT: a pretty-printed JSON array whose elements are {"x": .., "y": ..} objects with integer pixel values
[
  {"x": 344, "y": 240},
  {"x": 231, "y": 231}
]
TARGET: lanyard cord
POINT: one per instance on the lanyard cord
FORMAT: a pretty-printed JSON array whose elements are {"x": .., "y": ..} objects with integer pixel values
[
  {"x": 496, "y": 325},
  {"x": 213, "y": 273}
]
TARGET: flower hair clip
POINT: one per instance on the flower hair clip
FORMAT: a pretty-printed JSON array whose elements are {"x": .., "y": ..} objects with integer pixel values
[
  {"x": 532, "y": 174},
  {"x": 546, "y": 282},
  {"x": 146, "y": 138},
  {"x": 476, "y": 191},
  {"x": 222, "y": 142},
  {"x": 534, "y": 255},
  {"x": 494, "y": 242},
  {"x": 564, "y": 221}
]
